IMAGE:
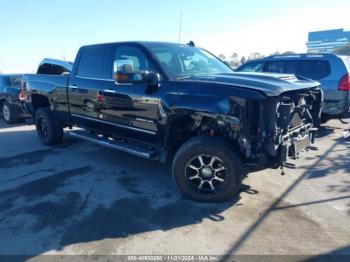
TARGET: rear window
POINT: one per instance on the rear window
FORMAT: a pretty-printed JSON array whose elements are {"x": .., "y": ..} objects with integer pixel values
[
  {"x": 96, "y": 62},
  {"x": 15, "y": 81},
  {"x": 314, "y": 69},
  {"x": 11, "y": 81}
]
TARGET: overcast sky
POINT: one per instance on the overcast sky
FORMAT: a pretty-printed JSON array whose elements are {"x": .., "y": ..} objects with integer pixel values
[{"x": 34, "y": 29}]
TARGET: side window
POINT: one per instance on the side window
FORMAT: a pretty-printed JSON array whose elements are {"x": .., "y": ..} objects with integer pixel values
[
  {"x": 96, "y": 62},
  {"x": 274, "y": 67},
  {"x": 314, "y": 69},
  {"x": 135, "y": 56},
  {"x": 255, "y": 66}
]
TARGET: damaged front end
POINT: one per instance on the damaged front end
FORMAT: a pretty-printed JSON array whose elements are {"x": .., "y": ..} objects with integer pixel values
[
  {"x": 293, "y": 119},
  {"x": 278, "y": 128}
]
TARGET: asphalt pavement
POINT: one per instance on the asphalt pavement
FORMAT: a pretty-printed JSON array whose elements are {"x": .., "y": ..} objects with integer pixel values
[{"x": 81, "y": 198}]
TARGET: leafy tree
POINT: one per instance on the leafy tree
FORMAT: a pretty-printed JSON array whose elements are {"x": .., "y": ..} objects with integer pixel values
[
  {"x": 234, "y": 60},
  {"x": 222, "y": 56},
  {"x": 255, "y": 55},
  {"x": 288, "y": 53},
  {"x": 345, "y": 50},
  {"x": 243, "y": 60}
]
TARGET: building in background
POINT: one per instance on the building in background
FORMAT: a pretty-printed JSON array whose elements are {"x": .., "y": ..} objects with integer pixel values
[{"x": 327, "y": 41}]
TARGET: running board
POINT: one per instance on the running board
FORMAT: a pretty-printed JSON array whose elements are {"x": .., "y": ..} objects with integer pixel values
[{"x": 126, "y": 147}]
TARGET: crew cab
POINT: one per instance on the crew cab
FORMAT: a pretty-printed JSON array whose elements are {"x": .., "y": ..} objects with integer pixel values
[{"x": 166, "y": 101}]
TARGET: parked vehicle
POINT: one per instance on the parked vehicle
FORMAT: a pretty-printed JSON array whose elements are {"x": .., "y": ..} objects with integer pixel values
[
  {"x": 11, "y": 107},
  {"x": 48, "y": 66},
  {"x": 156, "y": 100},
  {"x": 332, "y": 71}
]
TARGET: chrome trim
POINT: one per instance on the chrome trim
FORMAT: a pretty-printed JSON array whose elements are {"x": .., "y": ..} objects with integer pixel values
[
  {"x": 111, "y": 145},
  {"x": 91, "y": 78},
  {"x": 117, "y": 125},
  {"x": 73, "y": 87}
]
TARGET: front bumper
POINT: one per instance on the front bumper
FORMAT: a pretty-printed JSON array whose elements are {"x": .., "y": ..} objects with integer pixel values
[{"x": 296, "y": 141}]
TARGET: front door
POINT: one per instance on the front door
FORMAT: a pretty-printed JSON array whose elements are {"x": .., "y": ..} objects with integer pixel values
[{"x": 130, "y": 107}]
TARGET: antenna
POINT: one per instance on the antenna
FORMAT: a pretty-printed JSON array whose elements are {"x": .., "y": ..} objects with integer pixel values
[{"x": 180, "y": 27}]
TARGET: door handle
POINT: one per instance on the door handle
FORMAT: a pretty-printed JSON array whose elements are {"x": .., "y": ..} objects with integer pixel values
[
  {"x": 111, "y": 91},
  {"x": 73, "y": 87}
]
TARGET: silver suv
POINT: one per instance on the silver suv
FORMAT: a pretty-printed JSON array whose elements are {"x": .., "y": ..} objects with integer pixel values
[{"x": 332, "y": 71}]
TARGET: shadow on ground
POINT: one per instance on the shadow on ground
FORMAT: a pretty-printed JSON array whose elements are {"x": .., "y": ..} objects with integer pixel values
[{"x": 79, "y": 192}]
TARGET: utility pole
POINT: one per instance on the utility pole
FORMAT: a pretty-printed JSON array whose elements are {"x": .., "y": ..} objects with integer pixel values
[{"x": 180, "y": 27}]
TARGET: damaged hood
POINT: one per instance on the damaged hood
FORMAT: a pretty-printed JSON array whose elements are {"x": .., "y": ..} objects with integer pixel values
[{"x": 269, "y": 84}]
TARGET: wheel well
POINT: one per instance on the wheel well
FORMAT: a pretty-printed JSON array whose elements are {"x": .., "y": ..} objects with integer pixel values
[
  {"x": 182, "y": 128},
  {"x": 39, "y": 101},
  {"x": 2, "y": 100}
]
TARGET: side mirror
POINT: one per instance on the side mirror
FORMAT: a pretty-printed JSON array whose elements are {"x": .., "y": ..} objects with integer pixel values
[{"x": 124, "y": 73}]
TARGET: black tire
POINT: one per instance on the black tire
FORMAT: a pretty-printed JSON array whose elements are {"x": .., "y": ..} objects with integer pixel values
[
  {"x": 207, "y": 148},
  {"x": 9, "y": 113},
  {"x": 48, "y": 128}
]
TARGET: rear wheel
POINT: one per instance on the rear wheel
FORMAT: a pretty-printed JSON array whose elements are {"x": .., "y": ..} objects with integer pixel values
[
  {"x": 48, "y": 128},
  {"x": 9, "y": 113},
  {"x": 207, "y": 170}
]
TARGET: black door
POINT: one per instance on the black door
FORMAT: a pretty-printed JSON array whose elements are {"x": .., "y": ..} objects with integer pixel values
[
  {"x": 86, "y": 86},
  {"x": 130, "y": 107}
]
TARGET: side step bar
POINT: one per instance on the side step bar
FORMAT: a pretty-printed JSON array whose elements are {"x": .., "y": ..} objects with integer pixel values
[{"x": 116, "y": 144}]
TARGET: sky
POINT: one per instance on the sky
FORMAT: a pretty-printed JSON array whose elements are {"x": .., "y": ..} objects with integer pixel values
[{"x": 34, "y": 29}]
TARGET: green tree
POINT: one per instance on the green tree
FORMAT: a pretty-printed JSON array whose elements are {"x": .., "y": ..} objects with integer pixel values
[
  {"x": 234, "y": 60},
  {"x": 345, "y": 50},
  {"x": 222, "y": 56},
  {"x": 288, "y": 53}
]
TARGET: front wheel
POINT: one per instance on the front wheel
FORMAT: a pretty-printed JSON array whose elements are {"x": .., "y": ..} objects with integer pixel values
[
  {"x": 48, "y": 128},
  {"x": 207, "y": 170}
]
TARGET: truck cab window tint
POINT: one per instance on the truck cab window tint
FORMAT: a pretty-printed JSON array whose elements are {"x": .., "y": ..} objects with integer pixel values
[
  {"x": 255, "y": 66},
  {"x": 314, "y": 69},
  {"x": 135, "y": 55},
  {"x": 96, "y": 62}
]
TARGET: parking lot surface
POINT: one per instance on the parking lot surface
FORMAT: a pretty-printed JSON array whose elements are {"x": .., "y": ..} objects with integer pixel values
[{"x": 81, "y": 198}]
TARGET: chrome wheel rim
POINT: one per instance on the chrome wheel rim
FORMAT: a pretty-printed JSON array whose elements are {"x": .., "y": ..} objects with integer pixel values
[
  {"x": 6, "y": 112},
  {"x": 206, "y": 174}
]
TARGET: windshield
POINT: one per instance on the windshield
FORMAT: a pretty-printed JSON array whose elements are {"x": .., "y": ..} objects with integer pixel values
[{"x": 181, "y": 61}]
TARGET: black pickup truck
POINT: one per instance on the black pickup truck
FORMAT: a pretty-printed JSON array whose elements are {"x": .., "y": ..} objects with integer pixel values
[{"x": 172, "y": 101}]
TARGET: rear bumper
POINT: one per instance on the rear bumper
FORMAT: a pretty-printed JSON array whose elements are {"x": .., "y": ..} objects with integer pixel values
[{"x": 336, "y": 108}]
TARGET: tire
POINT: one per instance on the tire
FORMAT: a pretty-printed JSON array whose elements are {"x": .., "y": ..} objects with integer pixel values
[
  {"x": 9, "y": 113},
  {"x": 48, "y": 127},
  {"x": 189, "y": 171}
]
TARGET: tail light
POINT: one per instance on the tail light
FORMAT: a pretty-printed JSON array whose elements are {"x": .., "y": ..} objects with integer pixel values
[{"x": 344, "y": 84}]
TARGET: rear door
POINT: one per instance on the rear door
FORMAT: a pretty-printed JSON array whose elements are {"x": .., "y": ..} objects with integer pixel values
[{"x": 87, "y": 84}]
